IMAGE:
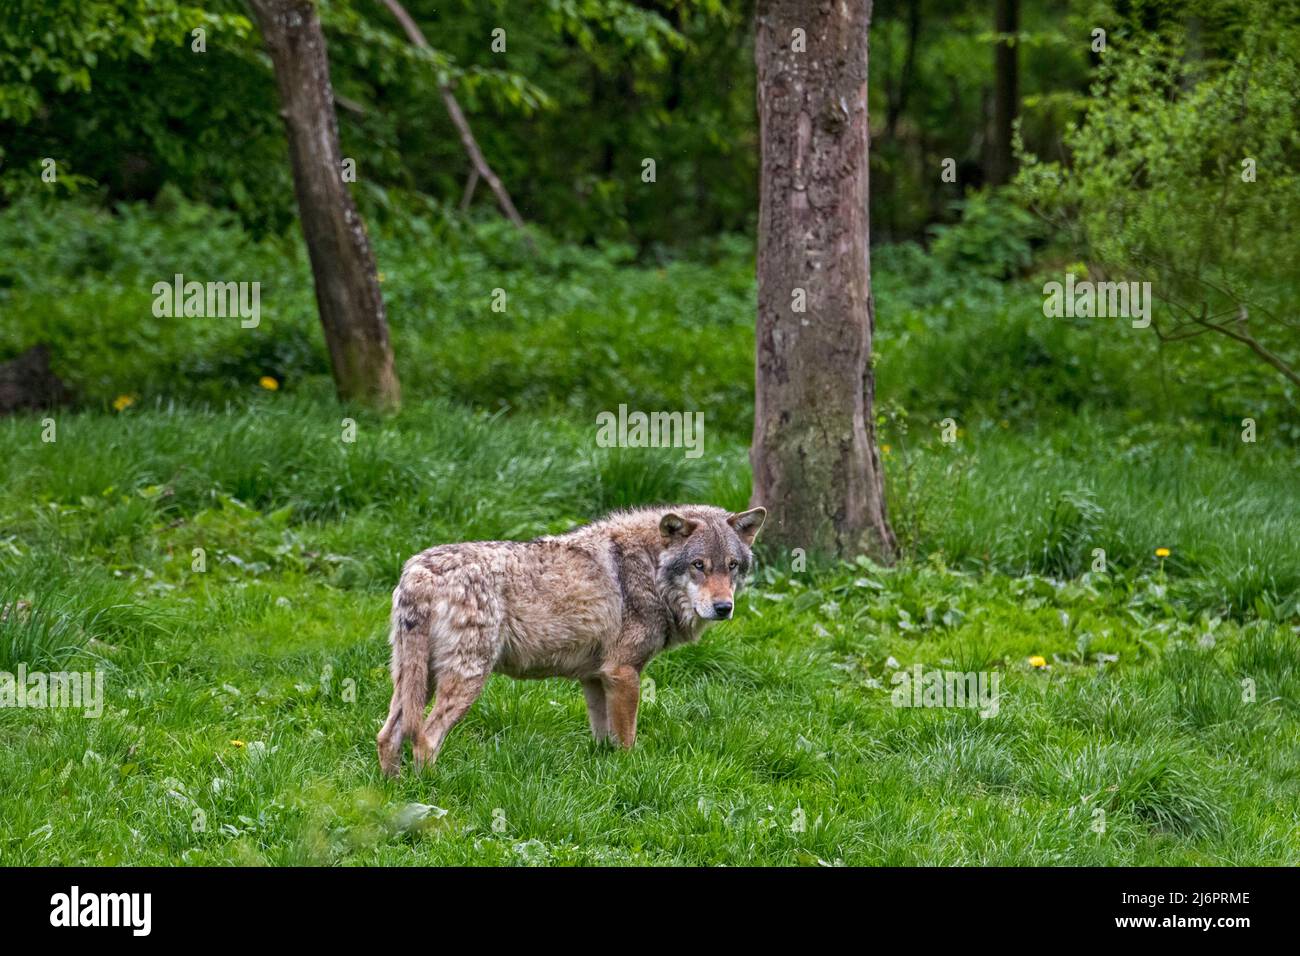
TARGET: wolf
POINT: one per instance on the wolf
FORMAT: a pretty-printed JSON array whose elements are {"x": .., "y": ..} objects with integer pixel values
[{"x": 595, "y": 604}]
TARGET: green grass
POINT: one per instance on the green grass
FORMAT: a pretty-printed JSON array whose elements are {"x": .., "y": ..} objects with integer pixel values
[
  {"x": 783, "y": 715},
  {"x": 225, "y": 558}
]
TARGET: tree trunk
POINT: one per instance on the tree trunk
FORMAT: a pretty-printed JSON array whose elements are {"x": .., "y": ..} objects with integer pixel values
[
  {"x": 1006, "y": 91},
  {"x": 816, "y": 468},
  {"x": 343, "y": 264}
]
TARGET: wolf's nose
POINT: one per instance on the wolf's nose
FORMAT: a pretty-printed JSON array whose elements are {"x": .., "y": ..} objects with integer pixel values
[{"x": 722, "y": 609}]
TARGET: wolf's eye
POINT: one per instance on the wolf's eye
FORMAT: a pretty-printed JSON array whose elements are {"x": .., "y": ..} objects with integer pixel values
[
  {"x": 698, "y": 565},
  {"x": 733, "y": 564}
]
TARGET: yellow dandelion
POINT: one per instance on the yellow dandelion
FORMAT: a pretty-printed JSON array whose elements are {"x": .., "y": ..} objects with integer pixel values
[
  {"x": 268, "y": 383},
  {"x": 886, "y": 449},
  {"x": 236, "y": 743},
  {"x": 1162, "y": 552},
  {"x": 123, "y": 402},
  {"x": 1037, "y": 661}
]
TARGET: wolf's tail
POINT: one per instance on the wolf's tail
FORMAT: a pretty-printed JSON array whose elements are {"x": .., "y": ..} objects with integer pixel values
[{"x": 409, "y": 636}]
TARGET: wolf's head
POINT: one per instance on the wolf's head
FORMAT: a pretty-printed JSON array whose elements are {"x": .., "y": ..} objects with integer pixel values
[{"x": 705, "y": 558}]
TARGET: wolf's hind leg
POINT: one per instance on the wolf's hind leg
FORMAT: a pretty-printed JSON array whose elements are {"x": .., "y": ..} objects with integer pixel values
[
  {"x": 390, "y": 737},
  {"x": 597, "y": 712},
  {"x": 409, "y": 635},
  {"x": 456, "y": 693}
]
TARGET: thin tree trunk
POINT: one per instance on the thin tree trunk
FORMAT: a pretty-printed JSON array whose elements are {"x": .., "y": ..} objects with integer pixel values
[
  {"x": 467, "y": 196},
  {"x": 814, "y": 456},
  {"x": 1006, "y": 91},
  {"x": 467, "y": 140},
  {"x": 343, "y": 264},
  {"x": 897, "y": 103}
]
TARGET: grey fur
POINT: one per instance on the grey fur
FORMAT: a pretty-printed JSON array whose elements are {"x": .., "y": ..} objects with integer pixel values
[{"x": 594, "y": 605}]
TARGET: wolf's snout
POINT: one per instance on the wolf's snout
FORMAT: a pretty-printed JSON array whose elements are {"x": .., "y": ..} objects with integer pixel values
[{"x": 722, "y": 610}]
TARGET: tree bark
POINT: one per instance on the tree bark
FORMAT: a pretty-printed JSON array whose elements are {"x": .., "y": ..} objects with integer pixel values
[
  {"x": 816, "y": 468},
  {"x": 1006, "y": 91},
  {"x": 342, "y": 261}
]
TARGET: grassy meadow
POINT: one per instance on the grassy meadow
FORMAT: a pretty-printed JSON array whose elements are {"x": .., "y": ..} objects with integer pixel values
[{"x": 199, "y": 530}]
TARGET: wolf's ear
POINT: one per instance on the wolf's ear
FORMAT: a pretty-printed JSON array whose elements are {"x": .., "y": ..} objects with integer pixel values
[
  {"x": 675, "y": 526},
  {"x": 747, "y": 523}
]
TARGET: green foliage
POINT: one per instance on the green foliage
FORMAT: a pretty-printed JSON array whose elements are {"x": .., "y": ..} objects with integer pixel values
[
  {"x": 55, "y": 46},
  {"x": 993, "y": 237},
  {"x": 676, "y": 337},
  {"x": 583, "y": 329},
  {"x": 116, "y": 93},
  {"x": 112, "y": 91},
  {"x": 1184, "y": 175},
  {"x": 930, "y": 94},
  {"x": 582, "y": 95}
]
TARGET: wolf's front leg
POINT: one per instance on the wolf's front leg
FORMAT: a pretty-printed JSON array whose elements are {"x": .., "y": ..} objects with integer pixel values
[
  {"x": 597, "y": 712},
  {"x": 622, "y": 695}
]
